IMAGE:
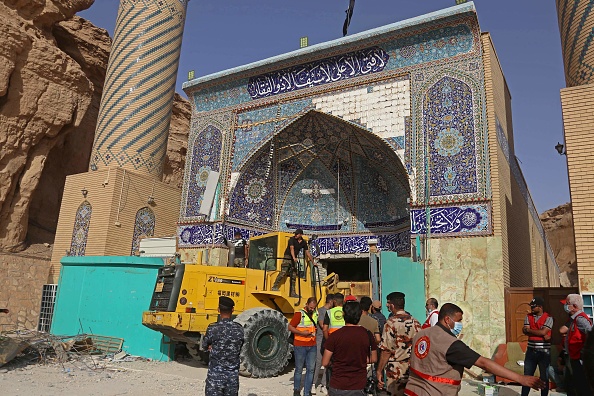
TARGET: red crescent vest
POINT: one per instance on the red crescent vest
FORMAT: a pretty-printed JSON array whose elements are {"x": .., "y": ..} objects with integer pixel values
[
  {"x": 430, "y": 373},
  {"x": 427, "y": 323},
  {"x": 534, "y": 340},
  {"x": 576, "y": 339}
]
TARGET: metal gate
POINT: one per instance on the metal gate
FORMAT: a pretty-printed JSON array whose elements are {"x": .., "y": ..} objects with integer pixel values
[{"x": 403, "y": 275}]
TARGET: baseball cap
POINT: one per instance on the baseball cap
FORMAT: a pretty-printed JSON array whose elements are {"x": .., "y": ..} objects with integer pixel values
[
  {"x": 298, "y": 231},
  {"x": 377, "y": 304},
  {"x": 537, "y": 301},
  {"x": 226, "y": 303},
  {"x": 350, "y": 297}
]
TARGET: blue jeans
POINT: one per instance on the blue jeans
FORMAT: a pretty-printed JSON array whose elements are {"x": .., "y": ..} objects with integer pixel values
[
  {"x": 304, "y": 355},
  {"x": 542, "y": 359}
]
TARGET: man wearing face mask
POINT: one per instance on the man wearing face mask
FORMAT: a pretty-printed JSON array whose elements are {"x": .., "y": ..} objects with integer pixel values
[
  {"x": 396, "y": 345},
  {"x": 438, "y": 359},
  {"x": 579, "y": 327}
]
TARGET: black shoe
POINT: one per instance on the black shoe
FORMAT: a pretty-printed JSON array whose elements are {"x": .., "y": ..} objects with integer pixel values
[
  {"x": 294, "y": 295},
  {"x": 274, "y": 288}
]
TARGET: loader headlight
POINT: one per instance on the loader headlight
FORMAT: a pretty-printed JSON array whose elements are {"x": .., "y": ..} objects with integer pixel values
[{"x": 183, "y": 301}]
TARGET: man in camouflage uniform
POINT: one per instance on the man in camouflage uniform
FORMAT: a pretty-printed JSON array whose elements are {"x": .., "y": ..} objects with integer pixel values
[
  {"x": 396, "y": 345},
  {"x": 224, "y": 340}
]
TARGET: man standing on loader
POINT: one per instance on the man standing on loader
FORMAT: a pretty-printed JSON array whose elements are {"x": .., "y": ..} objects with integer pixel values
[{"x": 289, "y": 265}]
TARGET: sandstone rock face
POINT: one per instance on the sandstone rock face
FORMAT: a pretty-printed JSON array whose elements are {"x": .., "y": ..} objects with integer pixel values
[
  {"x": 558, "y": 225},
  {"x": 177, "y": 144},
  {"x": 52, "y": 69}
]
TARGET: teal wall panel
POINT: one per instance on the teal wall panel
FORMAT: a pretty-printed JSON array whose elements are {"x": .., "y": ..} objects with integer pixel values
[
  {"x": 403, "y": 275},
  {"x": 106, "y": 295}
]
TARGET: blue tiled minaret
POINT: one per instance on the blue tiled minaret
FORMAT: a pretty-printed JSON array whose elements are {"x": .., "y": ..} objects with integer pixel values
[{"x": 135, "y": 110}]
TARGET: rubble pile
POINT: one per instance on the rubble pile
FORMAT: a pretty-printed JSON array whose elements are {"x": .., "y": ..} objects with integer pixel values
[{"x": 21, "y": 348}]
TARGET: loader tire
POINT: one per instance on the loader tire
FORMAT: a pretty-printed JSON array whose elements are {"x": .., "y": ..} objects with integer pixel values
[{"x": 266, "y": 350}]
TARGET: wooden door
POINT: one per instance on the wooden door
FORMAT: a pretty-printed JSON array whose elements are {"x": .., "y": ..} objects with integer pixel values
[{"x": 517, "y": 306}]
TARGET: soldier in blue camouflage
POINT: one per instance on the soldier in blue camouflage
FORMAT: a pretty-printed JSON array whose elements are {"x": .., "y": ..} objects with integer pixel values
[{"x": 224, "y": 340}]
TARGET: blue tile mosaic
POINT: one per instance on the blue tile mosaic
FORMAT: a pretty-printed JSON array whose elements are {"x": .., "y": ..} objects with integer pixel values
[
  {"x": 449, "y": 127},
  {"x": 429, "y": 46},
  {"x": 397, "y": 242},
  {"x": 312, "y": 201},
  {"x": 80, "y": 231},
  {"x": 254, "y": 128},
  {"x": 205, "y": 157},
  {"x": 463, "y": 219},
  {"x": 253, "y": 198},
  {"x": 144, "y": 226},
  {"x": 286, "y": 157},
  {"x": 224, "y": 95},
  {"x": 351, "y": 65},
  {"x": 201, "y": 235}
]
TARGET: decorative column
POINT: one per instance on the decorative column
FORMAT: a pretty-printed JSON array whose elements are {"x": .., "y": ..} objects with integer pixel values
[{"x": 135, "y": 110}]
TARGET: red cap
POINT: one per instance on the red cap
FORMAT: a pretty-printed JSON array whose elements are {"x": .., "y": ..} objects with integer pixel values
[
  {"x": 350, "y": 297},
  {"x": 564, "y": 301}
]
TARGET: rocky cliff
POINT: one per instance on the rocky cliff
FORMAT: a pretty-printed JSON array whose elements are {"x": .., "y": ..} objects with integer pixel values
[
  {"x": 558, "y": 225},
  {"x": 52, "y": 68}
]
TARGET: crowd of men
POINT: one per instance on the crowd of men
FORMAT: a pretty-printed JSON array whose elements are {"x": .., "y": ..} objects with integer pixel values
[
  {"x": 569, "y": 373},
  {"x": 347, "y": 347},
  {"x": 345, "y": 352}
]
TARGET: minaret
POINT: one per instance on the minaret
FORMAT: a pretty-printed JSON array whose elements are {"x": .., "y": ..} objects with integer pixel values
[
  {"x": 576, "y": 21},
  {"x": 122, "y": 198},
  {"x": 135, "y": 111}
]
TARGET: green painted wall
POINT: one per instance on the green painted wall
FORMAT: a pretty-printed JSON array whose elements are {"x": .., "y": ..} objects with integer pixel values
[
  {"x": 401, "y": 274},
  {"x": 106, "y": 295}
]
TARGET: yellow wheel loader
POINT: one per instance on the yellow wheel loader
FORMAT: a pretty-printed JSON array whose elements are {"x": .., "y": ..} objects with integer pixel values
[{"x": 185, "y": 302}]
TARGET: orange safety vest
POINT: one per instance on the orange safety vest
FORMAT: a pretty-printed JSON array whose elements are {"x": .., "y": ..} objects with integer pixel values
[{"x": 306, "y": 324}]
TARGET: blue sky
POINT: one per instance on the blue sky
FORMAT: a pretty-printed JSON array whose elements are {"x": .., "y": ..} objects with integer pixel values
[{"x": 221, "y": 34}]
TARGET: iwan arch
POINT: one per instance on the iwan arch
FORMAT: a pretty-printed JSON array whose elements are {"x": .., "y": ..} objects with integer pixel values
[{"x": 361, "y": 138}]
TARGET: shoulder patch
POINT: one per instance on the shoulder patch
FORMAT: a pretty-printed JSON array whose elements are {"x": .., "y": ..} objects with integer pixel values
[{"x": 422, "y": 347}]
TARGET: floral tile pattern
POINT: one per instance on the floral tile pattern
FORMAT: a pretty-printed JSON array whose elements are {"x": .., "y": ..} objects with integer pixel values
[
  {"x": 144, "y": 226},
  {"x": 80, "y": 231},
  {"x": 347, "y": 158}
]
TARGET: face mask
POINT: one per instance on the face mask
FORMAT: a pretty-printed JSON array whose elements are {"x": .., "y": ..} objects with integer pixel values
[
  {"x": 566, "y": 308},
  {"x": 457, "y": 328}
]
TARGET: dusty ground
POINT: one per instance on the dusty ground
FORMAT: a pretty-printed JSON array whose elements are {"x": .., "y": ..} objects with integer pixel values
[{"x": 146, "y": 379}]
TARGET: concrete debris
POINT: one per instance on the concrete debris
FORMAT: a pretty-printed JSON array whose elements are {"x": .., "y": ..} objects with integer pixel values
[{"x": 24, "y": 347}]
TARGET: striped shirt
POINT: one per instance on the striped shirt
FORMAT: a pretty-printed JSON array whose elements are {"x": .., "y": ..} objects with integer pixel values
[{"x": 543, "y": 345}]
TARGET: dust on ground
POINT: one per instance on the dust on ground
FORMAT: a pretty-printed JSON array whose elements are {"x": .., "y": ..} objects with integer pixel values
[{"x": 147, "y": 378}]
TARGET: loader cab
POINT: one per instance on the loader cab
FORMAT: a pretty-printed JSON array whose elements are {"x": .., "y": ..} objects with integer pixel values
[
  {"x": 266, "y": 252},
  {"x": 353, "y": 273}
]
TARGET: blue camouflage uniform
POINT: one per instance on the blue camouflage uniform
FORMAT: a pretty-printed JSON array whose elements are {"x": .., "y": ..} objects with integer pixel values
[{"x": 225, "y": 339}]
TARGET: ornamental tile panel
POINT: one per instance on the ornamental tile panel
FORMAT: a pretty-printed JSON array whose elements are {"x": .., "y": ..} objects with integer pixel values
[
  {"x": 205, "y": 157},
  {"x": 80, "y": 231},
  {"x": 451, "y": 220},
  {"x": 144, "y": 226}
]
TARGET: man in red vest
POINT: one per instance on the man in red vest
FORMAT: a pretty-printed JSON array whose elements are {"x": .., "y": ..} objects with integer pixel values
[
  {"x": 537, "y": 326},
  {"x": 432, "y": 313},
  {"x": 579, "y": 327}
]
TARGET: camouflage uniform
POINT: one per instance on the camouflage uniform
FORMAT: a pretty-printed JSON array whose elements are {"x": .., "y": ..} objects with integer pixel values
[
  {"x": 225, "y": 339},
  {"x": 397, "y": 338}
]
